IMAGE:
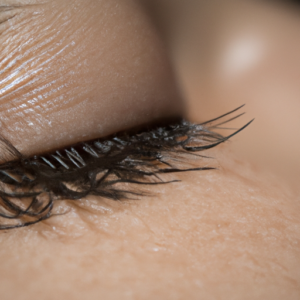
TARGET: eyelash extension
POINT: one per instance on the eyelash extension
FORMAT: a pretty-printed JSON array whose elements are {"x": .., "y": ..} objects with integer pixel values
[{"x": 29, "y": 186}]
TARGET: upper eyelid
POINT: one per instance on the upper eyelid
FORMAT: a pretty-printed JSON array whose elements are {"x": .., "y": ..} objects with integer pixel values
[{"x": 77, "y": 81}]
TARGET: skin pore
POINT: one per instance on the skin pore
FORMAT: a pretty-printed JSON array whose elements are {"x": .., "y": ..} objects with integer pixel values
[{"x": 231, "y": 233}]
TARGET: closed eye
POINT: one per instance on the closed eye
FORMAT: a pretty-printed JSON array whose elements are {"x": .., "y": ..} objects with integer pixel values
[
  {"x": 32, "y": 185},
  {"x": 75, "y": 72}
]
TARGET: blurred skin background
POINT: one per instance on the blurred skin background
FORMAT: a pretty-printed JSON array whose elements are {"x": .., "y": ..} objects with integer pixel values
[{"x": 228, "y": 53}]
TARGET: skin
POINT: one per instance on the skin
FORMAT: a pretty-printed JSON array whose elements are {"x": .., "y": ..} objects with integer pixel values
[
  {"x": 231, "y": 233},
  {"x": 89, "y": 61},
  {"x": 228, "y": 53}
]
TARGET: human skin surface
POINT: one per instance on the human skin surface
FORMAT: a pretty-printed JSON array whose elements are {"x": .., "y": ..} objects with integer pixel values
[
  {"x": 223, "y": 234},
  {"x": 72, "y": 71},
  {"x": 230, "y": 233},
  {"x": 231, "y": 52}
]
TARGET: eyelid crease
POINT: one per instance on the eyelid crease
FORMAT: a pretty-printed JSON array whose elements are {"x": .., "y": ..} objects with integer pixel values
[
  {"x": 99, "y": 167},
  {"x": 7, "y": 19},
  {"x": 14, "y": 9},
  {"x": 9, "y": 7}
]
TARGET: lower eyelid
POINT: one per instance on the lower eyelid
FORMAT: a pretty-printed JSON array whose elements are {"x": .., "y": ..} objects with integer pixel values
[{"x": 101, "y": 168}]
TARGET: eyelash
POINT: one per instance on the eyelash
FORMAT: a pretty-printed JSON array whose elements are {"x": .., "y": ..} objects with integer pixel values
[{"x": 30, "y": 186}]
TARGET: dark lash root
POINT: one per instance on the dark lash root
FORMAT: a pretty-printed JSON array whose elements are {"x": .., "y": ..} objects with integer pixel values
[{"x": 106, "y": 168}]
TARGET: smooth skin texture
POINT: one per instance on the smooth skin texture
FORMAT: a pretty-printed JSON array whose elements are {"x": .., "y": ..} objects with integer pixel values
[
  {"x": 231, "y": 52},
  {"x": 231, "y": 233}
]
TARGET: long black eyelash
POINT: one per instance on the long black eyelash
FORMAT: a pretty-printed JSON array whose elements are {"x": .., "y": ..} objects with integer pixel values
[{"x": 30, "y": 186}]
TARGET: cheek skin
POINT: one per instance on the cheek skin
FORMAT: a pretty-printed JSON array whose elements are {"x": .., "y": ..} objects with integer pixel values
[
  {"x": 78, "y": 70},
  {"x": 215, "y": 234}
]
